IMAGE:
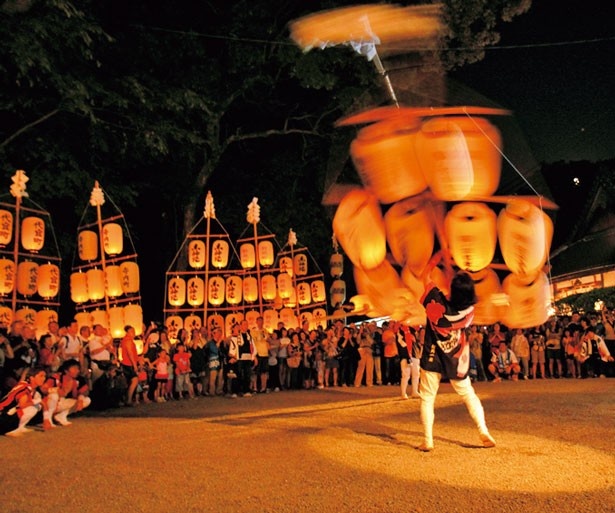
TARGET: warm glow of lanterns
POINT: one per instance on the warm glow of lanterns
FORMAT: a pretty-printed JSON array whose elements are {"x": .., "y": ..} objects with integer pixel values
[
  {"x": 251, "y": 316},
  {"x": 487, "y": 287},
  {"x": 285, "y": 285},
  {"x": 524, "y": 234},
  {"x": 219, "y": 254},
  {"x": 247, "y": 256},
  {"x": 529, "y": 300},
  {"x": 215, "y": 321},
  {"x": 100, "y": 317},
  {"x": 460, "y": 157},
  {"x": 319, "y": 318},
  {"x": 113, "y": 239},
  {"x": 359, "y": 227},
  {"x": 7, "y": 276},
  {"x": 193, "y": 322},
  {"x": 270, "y": 320},
  {"x": 306, "y": 317},
  {"x": 196, "y": 254},
  {"x": 116, "y": 322},
  {"x": 336, "y": 265},
  {"x": 215, "y": 292},
  {"x": 301, "y": 264},
  {"x": 304, "y": 296},
  {"x": 113, "y": 281},
  {"x": 96, "y": 284},
  {"x": 319, "y": 293},
  {"x": 250, "y": 289},
  {"x": 87, "y": 245},
  {"x": 130, "y": 277},
  {"x": 79, "y": 287},
  {"x": 288, "y": 317},
  {"x": 337, "y": 292},
  {"x": 48, "y": 281},
  {"x": 472, "y": 236},
  {"x": 410, "y": 234},
  {"x": 268, "y": 287},
  {"x": 234, "y": 290},
  {"x": 27, "y": 315},
  {"x": 195, "y": 291},
  {"x": 383, "y": 287},
  {"x": 6, "y": 227},
  {"x": 27, "y": 278},
  {"x": 176, "y": 291},
  {"x": 231, "y": 319},
  {"x": 133, "y": 316},
  {"x": 286, "y": 265},
  {"x": 266, "y": 254},
  {"x": 33, "y": 233},
  {"x": 174, "y": 323},
  {"x": 385, "y": 157},
  {"x": 84, "y": 319},
  {"x": 43, "y": 318},
  {"x": 6, "y": 316}
]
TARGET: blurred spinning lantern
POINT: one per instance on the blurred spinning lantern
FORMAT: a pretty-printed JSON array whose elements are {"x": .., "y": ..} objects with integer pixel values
[{"x": 529, "y": 300}]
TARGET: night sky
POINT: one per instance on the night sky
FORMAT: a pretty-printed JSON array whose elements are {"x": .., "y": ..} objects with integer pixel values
[{"x": 555, "y": 69}]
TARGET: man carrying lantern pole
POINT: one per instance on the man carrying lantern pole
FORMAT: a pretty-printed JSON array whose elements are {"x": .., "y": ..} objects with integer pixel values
[{"x": 446, "y": 351}]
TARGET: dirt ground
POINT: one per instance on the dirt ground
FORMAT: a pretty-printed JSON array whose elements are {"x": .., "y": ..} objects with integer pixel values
[{"x": 337, "y": 450}]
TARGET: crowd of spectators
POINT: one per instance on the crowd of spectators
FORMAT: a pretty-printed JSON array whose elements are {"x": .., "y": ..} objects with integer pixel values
[{"x": 67, "y": 369}]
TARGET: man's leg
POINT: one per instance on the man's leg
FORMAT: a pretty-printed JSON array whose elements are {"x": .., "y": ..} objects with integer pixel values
[
  {"x": 465, "y": 389},
  {"x": 429, "y": 384}
]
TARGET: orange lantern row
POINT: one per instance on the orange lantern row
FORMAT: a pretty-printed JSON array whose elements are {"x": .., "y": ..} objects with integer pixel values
[
  {"x": 197, "y": 255},
  {"x": 94, "y": 284}
]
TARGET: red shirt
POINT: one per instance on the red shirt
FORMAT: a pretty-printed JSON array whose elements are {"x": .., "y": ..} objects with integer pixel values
[{"x": 182, "y": 362}]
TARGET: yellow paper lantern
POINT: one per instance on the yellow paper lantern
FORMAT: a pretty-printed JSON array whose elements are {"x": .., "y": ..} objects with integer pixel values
[
  {"x": 385, "y": 157},
  {"x": 336, "y": 265},
  {"x": 337, "y": 292},
  {"x": 234, "y": 290},
  {"x": 6, "y": 227},
  {"x": 247, "y": 256},
  {"x": 361, "y": 305},
  {"x": 304, "y": 296},
  {"x": 27, "y": 278},
  {"x": 231, "y": 319},
  {"x": 133, "y": 316},
  {"x": 250, "y": 289},
  {"x": 27, "y": 316},
  {"x": 100, "y": 317},
  {"x": 6, "y": 316},
  {"x": 48, "y": 281},
  {"x": 193, "y": 322},
  {"x": 7, "y": 276},
  {"x": 33, "y": 233},
  {"x": 216, "y": 321},
  {"x": 113, "y": 239},
  {"x": 130, "y": 277},
  {"x": 266, "y": 255},
  {"x": 319, "y": 318},
  {"x": 529, "y": 300},
  {"x": 116, "y": 322},
  {"x": 291, "y": 301},
  {"x": 306, "y": 317},
  {"x": 195, "y": 291},
  {"x": 113, "y": 281},
  {"x": 524, "y": 234},
  {"x": 84, "y": 319},
  {"x": 270, "y": 320},
  {"x": 79, "y": 287},
  {"x": 301, "y": 264},
  {"x": 288, "y": 317},
  {"x": 173, "y": 323},
  {"x": 251, "y": 316},
  {"x": 196, "y": 254},
  {"x": 96, "y": 284},
  {"x": 176, "y": 291},
  {"x": 43, "y": 318},
  {"x": 285, "y": 285},
  {"x": 359, "y": 227},
  {"x": 215, "y": 293},
  {"x": 410, "y": 234},
  {"x": 472, "y": 235},
  {"x": 87, "y": 245},
  {"x": 219, "y": 254},
  {"x": 486, "y": 286},
  {"x": 318, "y": 291},
  {"x": 268, "y": 287},
  {"x": 460, "y": 157},
  {"x": 286, "y": 265}
]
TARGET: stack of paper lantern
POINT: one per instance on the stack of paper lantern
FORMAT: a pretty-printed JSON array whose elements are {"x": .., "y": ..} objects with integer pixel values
[{"x": 428, "y": 177}]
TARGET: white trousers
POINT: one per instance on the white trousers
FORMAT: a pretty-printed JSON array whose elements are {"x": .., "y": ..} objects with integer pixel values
[{"x": 430, "y": 382}]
